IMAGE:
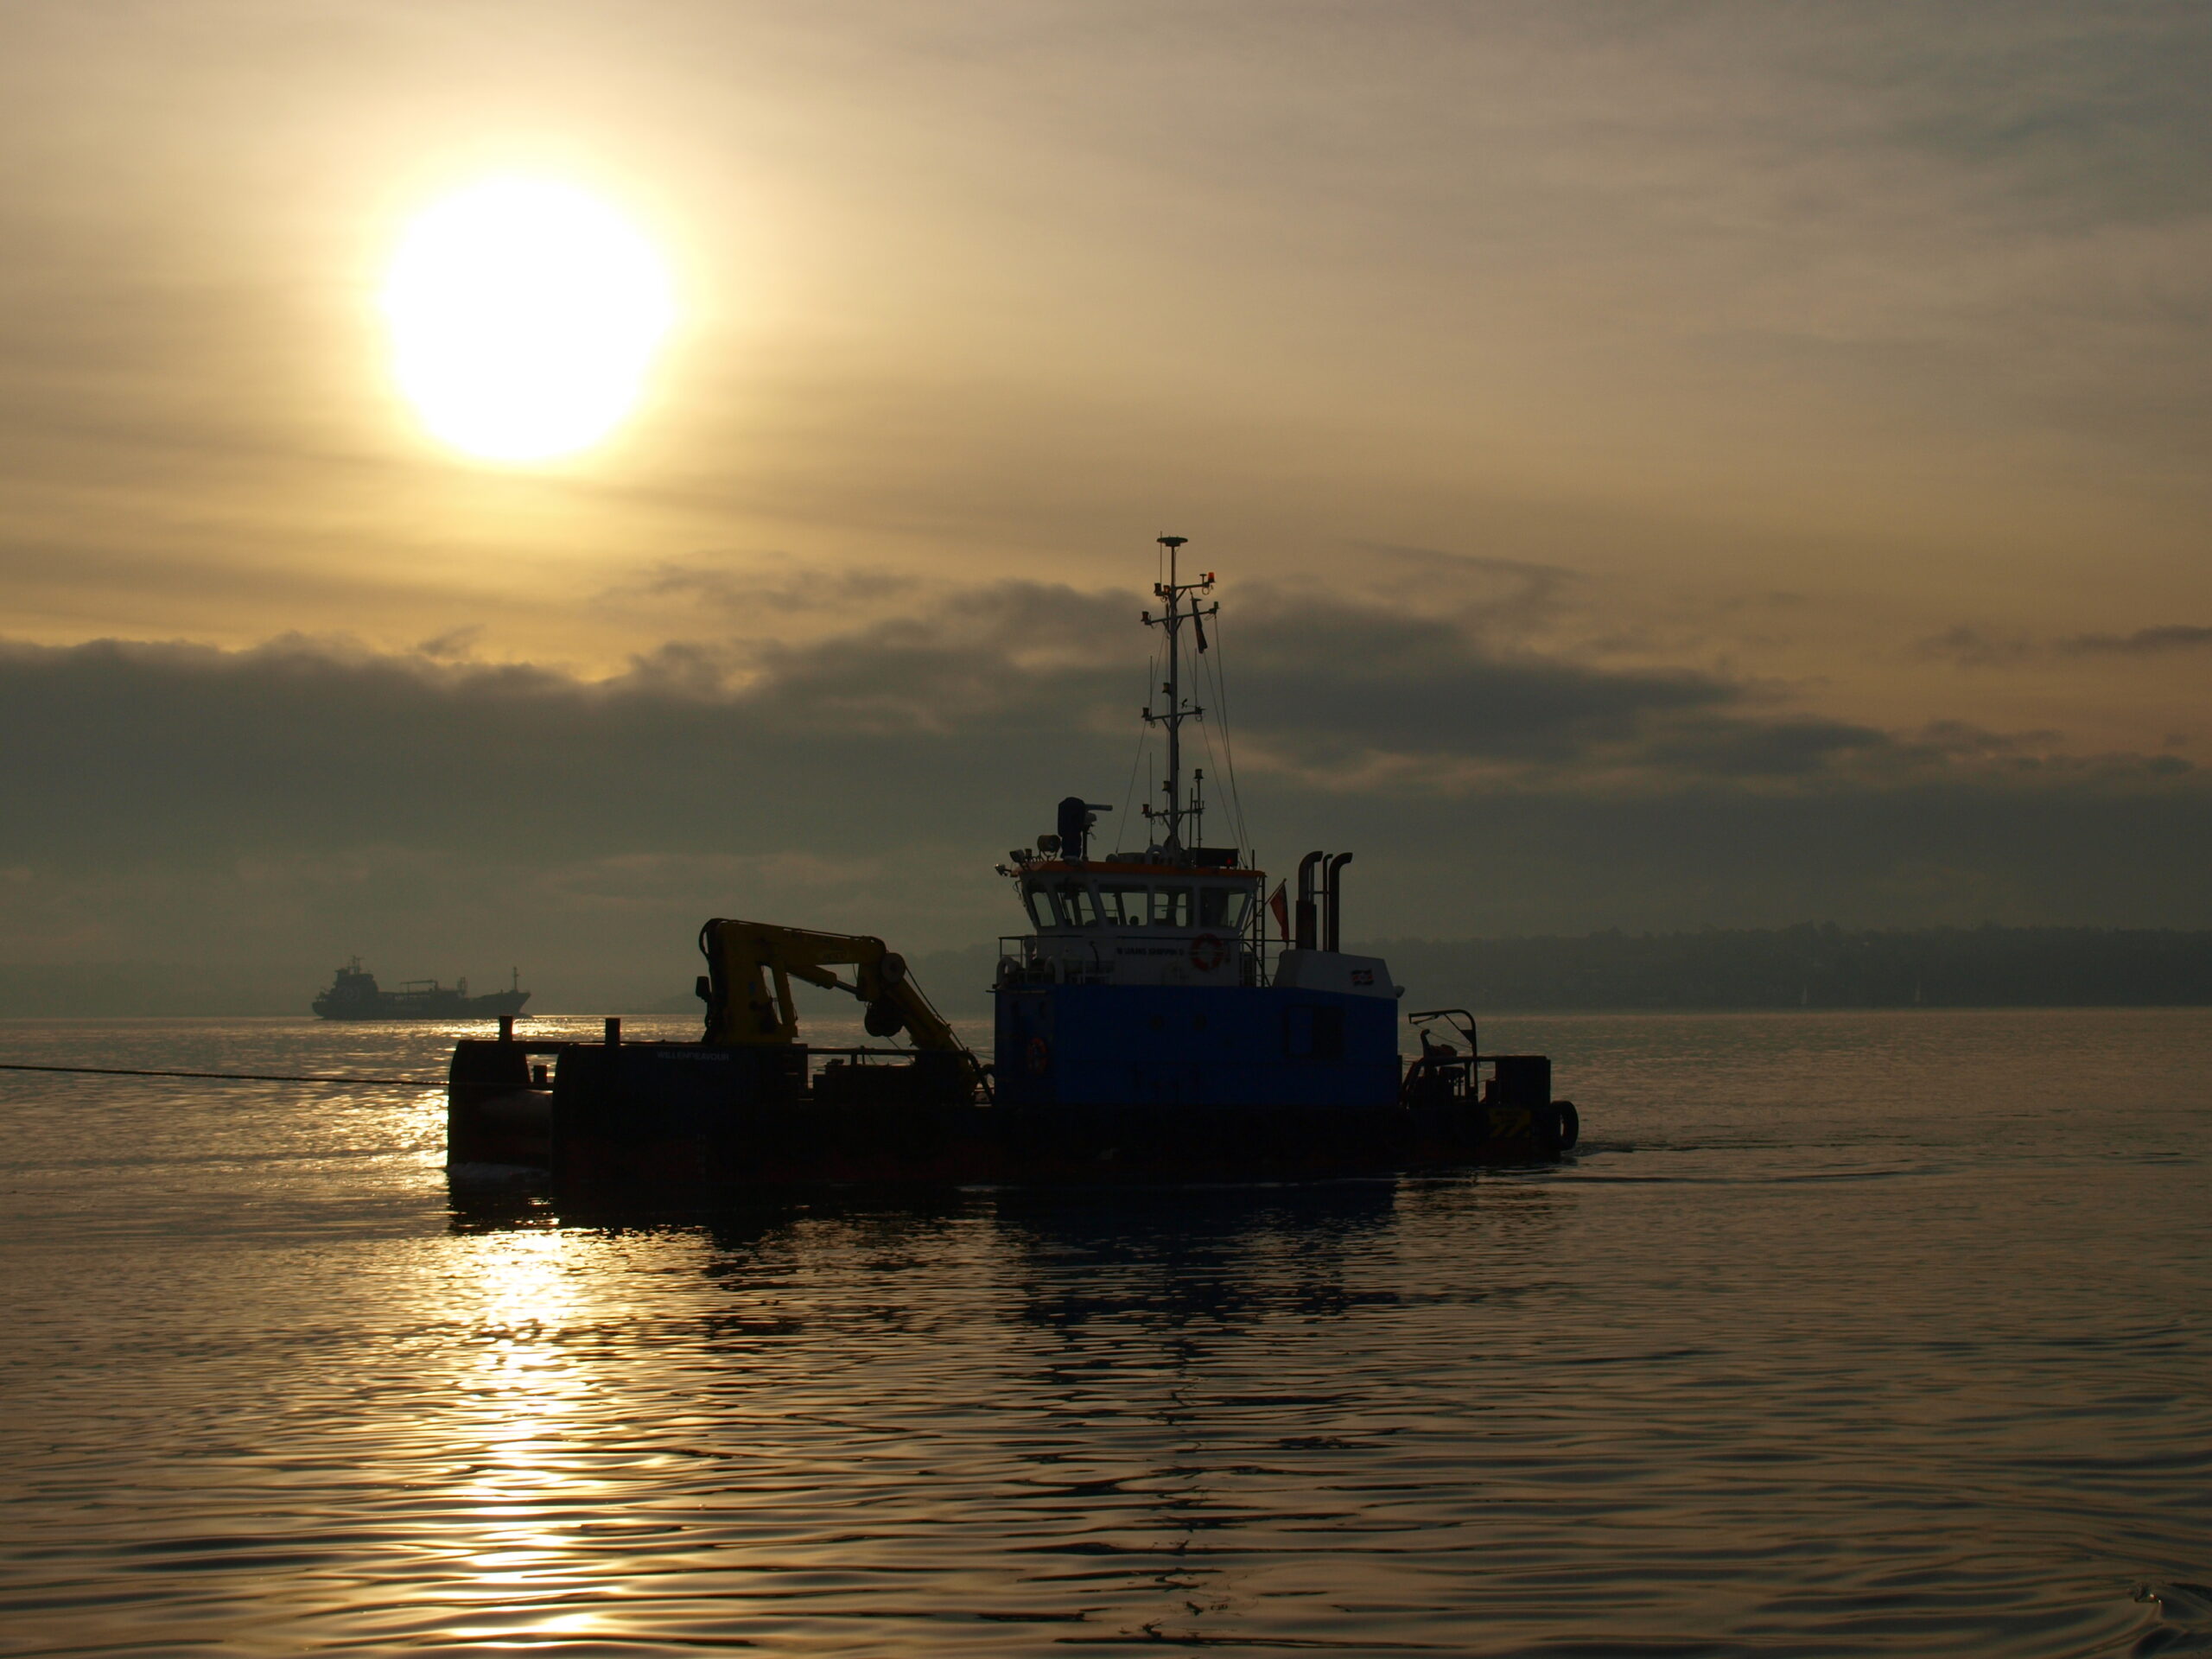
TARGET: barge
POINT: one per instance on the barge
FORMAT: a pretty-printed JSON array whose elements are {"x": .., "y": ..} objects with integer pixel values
[{"x": 1148, "y": 1025}]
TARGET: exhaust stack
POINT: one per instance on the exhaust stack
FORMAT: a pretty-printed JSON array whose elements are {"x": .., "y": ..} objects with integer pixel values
[
  {"x": 1332, "y": 888},
  {"x": 1307, "y": 924}
]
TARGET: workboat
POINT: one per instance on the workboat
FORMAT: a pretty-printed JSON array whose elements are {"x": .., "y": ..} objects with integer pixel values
[
  {"x": 1149, "y": 1024},
  {"x": 354, "y": 995}
]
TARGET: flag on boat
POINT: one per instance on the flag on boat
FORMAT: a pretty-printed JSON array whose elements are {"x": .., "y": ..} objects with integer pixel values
[{"x": 1280, "y": 906}]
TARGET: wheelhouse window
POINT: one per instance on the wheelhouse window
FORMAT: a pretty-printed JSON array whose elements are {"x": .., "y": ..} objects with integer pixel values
[
  {"x": 1121, "y": 906},
  {"x": 1069, "y": 902},
  {"x": 1038, "y": 904},
  {"x": 1076, "y": 906},
  {"x": 1224, "y": 907}
]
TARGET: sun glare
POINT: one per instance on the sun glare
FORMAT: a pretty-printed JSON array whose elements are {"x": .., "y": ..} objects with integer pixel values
[{"x": 523, "y": 316}]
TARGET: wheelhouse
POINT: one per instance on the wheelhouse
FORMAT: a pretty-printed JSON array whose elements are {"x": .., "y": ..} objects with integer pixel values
[
  {"x": 1062, "y": 897},
  {"x": 1124, "y": 921}
]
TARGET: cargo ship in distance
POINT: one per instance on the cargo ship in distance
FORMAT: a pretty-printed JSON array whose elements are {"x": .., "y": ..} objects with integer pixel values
[{"x": 355, "y": 995}]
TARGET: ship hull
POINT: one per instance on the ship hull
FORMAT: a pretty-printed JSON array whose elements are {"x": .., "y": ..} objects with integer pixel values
[
  {"x": 664, "y": 1119},
  {"x": 1213, "y": 1048}
]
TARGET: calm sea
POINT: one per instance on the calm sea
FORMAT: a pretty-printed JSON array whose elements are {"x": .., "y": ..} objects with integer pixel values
[{"x": 1843, "y": 1334}]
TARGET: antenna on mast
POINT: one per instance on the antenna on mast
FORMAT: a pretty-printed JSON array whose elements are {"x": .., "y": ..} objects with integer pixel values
[{"x": 1183, "y": 606}]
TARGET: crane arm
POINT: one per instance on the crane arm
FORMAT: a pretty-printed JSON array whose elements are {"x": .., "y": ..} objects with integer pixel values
[{"x": 751, "y": 965}]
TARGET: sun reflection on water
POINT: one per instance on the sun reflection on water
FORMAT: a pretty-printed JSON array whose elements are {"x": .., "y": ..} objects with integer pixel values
[{"x": 525, "y": 1405}]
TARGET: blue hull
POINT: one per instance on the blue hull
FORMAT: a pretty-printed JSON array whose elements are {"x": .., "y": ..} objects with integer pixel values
[{"x": 1109, "y": 1046}]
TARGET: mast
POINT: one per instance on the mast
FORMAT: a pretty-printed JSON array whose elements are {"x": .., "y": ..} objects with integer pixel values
[{"x": 1183, "y": 606}]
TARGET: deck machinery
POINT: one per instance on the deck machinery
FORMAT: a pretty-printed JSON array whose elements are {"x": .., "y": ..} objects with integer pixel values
[{"x": 1148, "y": 1025}]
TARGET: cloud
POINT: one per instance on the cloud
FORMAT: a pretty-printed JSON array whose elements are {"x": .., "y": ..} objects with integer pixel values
[
  {"x": 1483, "y": 592},
  {"x": 2144, "y": 642},
  {"x": 453, "y": 643},
  {"x": 976, "y": 707},
  {"x": 1336, "y": 688},
  {"x": 1971, "y": 647},
  {"x": 769, "y": 584},
  {"x": 311, "y": 796},
  {"x": 1337, "y": 695}
]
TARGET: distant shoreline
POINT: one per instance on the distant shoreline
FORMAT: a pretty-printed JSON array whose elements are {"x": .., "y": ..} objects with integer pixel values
[
  {"x": 1808, "y": 968},
  {"x": 1818, "y": 967}
]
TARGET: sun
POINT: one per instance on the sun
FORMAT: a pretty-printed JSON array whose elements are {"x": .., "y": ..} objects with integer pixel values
[{"x": 524, "y": 314}]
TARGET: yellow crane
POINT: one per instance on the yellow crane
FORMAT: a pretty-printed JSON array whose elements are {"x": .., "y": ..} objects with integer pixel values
[{"x": 748, "y": 987}]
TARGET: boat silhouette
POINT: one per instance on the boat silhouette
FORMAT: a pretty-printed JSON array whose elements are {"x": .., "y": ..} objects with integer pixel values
[{"x": 354, "y": 995}]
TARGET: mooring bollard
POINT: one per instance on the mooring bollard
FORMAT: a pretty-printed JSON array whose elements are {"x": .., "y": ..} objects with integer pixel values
[
  {"x": 507, "y": 1028},
  {"x": 613, "y": 1030}
]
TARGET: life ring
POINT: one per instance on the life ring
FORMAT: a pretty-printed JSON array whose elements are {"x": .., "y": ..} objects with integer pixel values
[
  {"x": 1038, "y": 1057},
  {"x": 1208, "y": 952}
]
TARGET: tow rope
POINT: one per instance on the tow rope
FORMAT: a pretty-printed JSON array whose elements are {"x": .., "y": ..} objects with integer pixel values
[{"x": 228, "y": 1076}]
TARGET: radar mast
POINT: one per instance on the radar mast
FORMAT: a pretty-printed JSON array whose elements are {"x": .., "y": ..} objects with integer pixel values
[{"x": 1184, "y": 605}]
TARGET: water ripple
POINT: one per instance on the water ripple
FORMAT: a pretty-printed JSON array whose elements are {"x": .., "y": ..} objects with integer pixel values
[{"x": 1820, "y": 1383}]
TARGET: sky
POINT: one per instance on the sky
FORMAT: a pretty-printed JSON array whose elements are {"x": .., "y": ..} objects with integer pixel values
[{"x": 1667, "y": 465}]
